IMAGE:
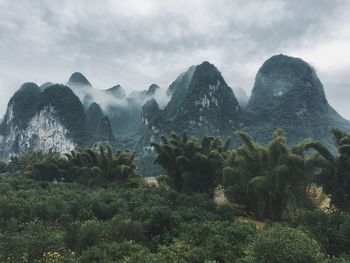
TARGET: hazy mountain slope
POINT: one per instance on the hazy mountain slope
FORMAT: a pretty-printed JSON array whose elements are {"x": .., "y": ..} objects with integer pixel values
[
  {"x": 241, "y": 96},
  {"x": 201, "y": 103},
  {"x": 50, "y": 120},
  {"x": 98, "y": 124},
  {"x": 116, "y": 91},
  {"x": 288, "y": 94}
]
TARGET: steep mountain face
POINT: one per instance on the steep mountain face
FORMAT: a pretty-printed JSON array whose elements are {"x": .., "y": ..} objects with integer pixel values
[
  {"x": 154, "y": 125},
  {"x": 201, "y": 104},
  {"x": 282, "y": 77},
  {"x": 150, "y": 111},
  {"x": 93, "y": 116},
  {"x": 178, "y": 88},
  {"x": 98, "y": 124},
  {"x": 214, "y": 101},
  {"x": 204, "y": 102},
  {"x": 104, "y": 133},
  {"x": 68, "y": 108},
  {"x": 152, "y": 120},
  {"x": 22, "y": 106},
  {"x": 50, "y": 120},
  {"x": 288, "y": 94}
]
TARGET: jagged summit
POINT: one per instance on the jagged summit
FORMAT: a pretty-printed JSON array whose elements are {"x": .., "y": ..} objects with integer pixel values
[
  {"x": 286, "y": 78},
  {"x": 116, "y": 91},
  {"x": 287, "y": 94},
  {"x": 22, "y": 105},
  {"x": 152, "y": 90},
  {"x": 77, "y": 79},
  {"x": 201, "y": 103},
  {"x": 204, "y": 98}
]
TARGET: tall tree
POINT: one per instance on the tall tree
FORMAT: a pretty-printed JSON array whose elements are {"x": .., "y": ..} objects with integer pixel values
[
  {"x": 335, "y": 174},
  {"x": 270, "y": 181},
  {"x": 101, "y": 162},
  {"x": 191, "y": 166}
]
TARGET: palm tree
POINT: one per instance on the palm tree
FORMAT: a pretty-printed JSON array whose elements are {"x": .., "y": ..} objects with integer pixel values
[
  {"x": 270, "y": 181},
  {"x": 101, "y": 162},
  {"x": 335, "y": 170},
  {"x": 191, "y": 166}
]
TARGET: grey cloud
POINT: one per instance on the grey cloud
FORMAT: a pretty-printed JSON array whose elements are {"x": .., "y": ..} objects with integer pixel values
[{"x": 136, "y": 43}]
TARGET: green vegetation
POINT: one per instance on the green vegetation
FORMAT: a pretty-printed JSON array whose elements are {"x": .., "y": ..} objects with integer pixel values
[
  {"x": 121, "y": 222},
  {"x": 90, "y": 166},
  {"x": 284, "y": 244},
  {"x": 190, "y": 166},
  {"x": 336, "y": 172},
  {"x": 271, "y": 181},
  {"x": 91, "y": 206}
]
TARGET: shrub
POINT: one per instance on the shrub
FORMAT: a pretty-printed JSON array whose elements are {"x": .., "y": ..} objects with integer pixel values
[{"x": 284, "y": 245}]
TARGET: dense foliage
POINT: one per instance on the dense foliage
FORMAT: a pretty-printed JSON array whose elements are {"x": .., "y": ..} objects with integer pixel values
[
  {"x": 89, "y": 166},
  {"x": 190, "y": 166},
  {"x": 283, "y": 244},
  {"x": 271, "y": 182},
  {"x": 332, "y": 230},
  {"x": 91, "y": 206},
  {"x": 336, "y": 173},
  {"x": 130, "y": 222}
]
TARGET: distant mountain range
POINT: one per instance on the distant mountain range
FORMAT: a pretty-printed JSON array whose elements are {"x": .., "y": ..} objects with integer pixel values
[{"x": 287, "y": 94}]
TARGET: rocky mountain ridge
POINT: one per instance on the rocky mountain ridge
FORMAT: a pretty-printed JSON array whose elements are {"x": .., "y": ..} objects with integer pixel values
[
  {"x": 53, "y": 119},
  {"x": 287, "y": 94}
]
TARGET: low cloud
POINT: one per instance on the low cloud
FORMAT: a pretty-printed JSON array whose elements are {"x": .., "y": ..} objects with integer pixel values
[
  {"x": 88, "y": 95},
  {"x": 138, "y": 42}
]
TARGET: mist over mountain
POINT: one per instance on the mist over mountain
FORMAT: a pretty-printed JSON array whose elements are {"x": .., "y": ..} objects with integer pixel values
[
  {"x": 99, "y": 125},
  {"x": 123, "y": 110},
  {"x": 287, "y": 94},
  {"x": 148, "y": 131},
  {"x": 116, "y": 91},
  {"x": 241, "y": 96}
]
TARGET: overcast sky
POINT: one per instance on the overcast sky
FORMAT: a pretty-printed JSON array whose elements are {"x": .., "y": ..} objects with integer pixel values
[{"x": 136, "y": 43}]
